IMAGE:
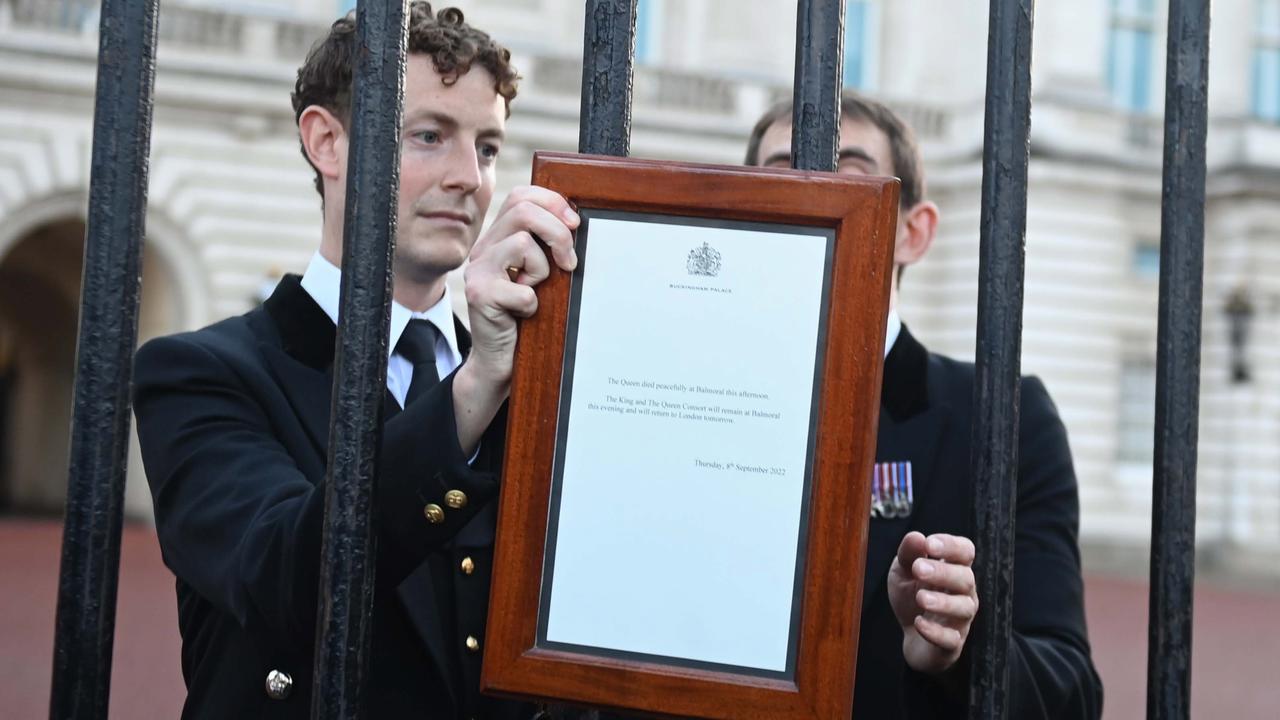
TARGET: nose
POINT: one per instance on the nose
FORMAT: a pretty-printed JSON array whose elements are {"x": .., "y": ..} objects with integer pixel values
[{"x": 463, "y": 173}]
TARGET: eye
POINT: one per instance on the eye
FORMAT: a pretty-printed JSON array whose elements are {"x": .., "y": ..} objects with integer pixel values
[
  {"x": 855, "y": 167},
  {"x": 430, "y": 137},
  {"x": 489, "y": 151}
]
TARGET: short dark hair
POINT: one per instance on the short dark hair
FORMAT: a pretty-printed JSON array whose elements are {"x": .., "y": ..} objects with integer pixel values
[
  {"x": 453, "y": 45},
  {"x": 855, "y": 106}
]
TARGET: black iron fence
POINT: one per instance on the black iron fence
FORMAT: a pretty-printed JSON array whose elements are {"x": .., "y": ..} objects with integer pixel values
[
  {"x": 110, "y": 290},
  {"x": 109, "y": 311}
]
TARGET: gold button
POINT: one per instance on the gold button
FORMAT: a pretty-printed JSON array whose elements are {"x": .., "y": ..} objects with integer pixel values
[
  {"x": 468, "y": 566},
  {"x": 472, "y": 643},
  {"x": 455, "y": 499},
  {"x": 434, "y": 513}
]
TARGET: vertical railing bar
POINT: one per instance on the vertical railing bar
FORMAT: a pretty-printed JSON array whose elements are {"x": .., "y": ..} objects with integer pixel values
[
  {"x": 110, "y": 289},
  {"x": 344, "y": 619},
  {"x": 999, "y": 346},
  {"x": 815, "y": 114},
  {"x": 608, "y": 47},
  {"x": 1178, "y": 362}
]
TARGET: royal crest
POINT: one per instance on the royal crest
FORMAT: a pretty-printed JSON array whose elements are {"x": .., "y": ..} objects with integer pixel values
[{"x": 704, "y": 261}]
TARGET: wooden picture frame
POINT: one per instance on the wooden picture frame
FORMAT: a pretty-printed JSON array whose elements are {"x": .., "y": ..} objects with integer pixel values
[{"x": 858, "y": 216}]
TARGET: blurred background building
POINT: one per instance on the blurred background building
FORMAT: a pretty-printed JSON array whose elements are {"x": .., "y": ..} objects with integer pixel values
[
  {"x": 232, "y": 208},
  {"x": 231, "y": 203}
]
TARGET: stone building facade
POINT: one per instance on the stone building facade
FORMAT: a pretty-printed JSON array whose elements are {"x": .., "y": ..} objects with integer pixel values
[{"x": 231, "y": 205}]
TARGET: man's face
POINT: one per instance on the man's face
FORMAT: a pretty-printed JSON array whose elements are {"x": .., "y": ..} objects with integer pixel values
[
  {"x": 451, "y": 137},
  {"x": 864, "y": 148}
]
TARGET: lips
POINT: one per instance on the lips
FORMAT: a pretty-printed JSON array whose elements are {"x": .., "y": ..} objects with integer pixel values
[{"x": 458, "y": 216}]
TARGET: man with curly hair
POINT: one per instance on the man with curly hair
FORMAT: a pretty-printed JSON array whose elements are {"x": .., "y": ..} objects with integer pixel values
[{"x": 233, "y": 419}]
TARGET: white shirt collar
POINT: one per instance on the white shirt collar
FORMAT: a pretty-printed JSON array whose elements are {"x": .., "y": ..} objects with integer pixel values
[
  {"x": 892, "y": 330},
  {"x": 323, "y": 282}
]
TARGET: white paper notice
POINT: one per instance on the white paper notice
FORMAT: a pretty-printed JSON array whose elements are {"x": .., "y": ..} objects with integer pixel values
[{"x": 688, "y": 431}]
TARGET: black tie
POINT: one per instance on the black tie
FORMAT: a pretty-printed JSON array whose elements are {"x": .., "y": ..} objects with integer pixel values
[{"x": 418, "y": 345}]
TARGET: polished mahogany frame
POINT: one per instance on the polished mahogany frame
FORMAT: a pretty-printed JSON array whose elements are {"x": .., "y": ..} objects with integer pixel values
[{"x": 862, "y": 211}]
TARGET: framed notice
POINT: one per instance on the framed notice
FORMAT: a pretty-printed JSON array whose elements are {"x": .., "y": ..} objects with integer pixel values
[{"x": 683, "y": 518}]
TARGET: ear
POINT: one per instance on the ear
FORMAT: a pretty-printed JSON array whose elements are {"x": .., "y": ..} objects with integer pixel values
[
  {"x": 916, "y": 229},
  {"x": 324, "y": 140}
]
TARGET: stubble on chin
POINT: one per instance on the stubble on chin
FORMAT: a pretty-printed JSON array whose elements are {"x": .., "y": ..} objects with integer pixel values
[{"x": 424, "y": 260}]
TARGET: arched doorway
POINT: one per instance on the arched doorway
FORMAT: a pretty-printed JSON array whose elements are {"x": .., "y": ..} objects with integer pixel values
[{"x": 39, "y": 304}]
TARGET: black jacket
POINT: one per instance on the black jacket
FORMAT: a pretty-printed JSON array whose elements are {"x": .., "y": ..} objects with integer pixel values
[
  {"x": 233, "y": 421},
  {"x": 925, "y": 418}
]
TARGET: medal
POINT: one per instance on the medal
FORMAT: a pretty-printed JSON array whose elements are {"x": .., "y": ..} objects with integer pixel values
[{"x": 892, "y": 491}]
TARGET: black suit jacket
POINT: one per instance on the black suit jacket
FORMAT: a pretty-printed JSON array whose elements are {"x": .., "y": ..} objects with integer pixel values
[
  {"x": 233, "y": 421},
  {"x": 925, "y": 418}
]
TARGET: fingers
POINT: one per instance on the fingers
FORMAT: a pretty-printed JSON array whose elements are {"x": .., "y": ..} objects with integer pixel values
[
  {"x": 914, "y": 545},
  {"x": 524, "y": 260},
  {"x": 542, "y": 213},
  {"x": 938, "y": 562},
  {"x": 947, "y": 577},
  {"x": 518, "y": 300},
  {"x": 897, "y": 573},
  {"x": 940, "y": 585},
  {"x": 951, "y": 548},
  {"x": 941, "y": 561},
  {"x": 505, "y": 263},
  {"x": 553, "y": 201},
  {"x": 952, "y": 608},
  {"x": 946, "y": 638},
  {"x": 493, "y": 295}
]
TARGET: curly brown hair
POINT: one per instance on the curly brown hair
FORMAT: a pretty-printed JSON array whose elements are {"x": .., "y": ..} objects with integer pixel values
[{"x": 453, "y": 45}]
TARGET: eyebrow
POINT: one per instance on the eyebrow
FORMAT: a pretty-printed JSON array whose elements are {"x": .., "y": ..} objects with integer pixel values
[
  {"x": 856, "y": 153},
  {"x": 448, "y": 122},
  {"x": 846, "y": 153}
]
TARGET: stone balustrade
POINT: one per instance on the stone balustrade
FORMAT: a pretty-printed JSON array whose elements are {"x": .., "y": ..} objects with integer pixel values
[
  {"x": 74, "y": 17},
  {"x": 280, "y": 39}
]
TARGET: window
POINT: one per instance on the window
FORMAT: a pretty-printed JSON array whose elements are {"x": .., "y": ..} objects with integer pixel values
[
  {"x": 259, "y": 8},
  {"x": 1130, "y": 53},
  {"x": 1266, "y": 61},
  {"x": 859, "y": 44},
  {"x": 73, "y": 16},
  {"x": 649, "y": 31},
  {"x": 1146, "y": 259},
  {"x": 1136, "y": 422}
]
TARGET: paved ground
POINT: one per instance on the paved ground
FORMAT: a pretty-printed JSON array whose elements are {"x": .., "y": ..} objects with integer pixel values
[
  {"x": 146, "y": 679},
  {"x": 1236, "y": 645}
]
